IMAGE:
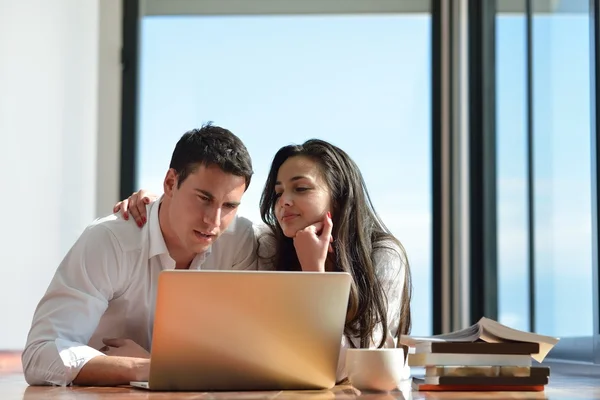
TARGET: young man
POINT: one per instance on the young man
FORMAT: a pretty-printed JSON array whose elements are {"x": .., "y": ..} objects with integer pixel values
[{"x": 94, "y": 324}]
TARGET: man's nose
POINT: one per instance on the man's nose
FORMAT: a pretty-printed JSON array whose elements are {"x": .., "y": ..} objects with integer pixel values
[{"x": 212, "y": 216}]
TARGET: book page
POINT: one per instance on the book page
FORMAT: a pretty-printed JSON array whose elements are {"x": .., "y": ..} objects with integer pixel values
[
  {"x": 495, "y": 331},
  {"x": 489, "y": 331},
  {"x": 469, "y": 334}
]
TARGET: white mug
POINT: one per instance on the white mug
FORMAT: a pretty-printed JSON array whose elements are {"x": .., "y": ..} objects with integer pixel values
[{"x": 376, "y": 369}]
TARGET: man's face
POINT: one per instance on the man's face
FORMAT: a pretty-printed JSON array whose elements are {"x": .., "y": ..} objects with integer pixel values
[{"x": 203, "y": 206}]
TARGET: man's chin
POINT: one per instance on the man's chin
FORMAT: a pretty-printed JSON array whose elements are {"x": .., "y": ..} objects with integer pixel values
[{"x": 201, "y": 247}]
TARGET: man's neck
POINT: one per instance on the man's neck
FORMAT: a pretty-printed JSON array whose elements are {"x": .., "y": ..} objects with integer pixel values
[{"x": 182, "y": 258}]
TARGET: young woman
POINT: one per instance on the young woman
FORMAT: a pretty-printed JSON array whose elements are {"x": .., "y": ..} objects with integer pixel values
[{"x": 318, "y": 216}]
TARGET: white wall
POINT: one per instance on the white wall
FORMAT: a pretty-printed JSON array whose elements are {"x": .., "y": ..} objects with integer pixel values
[
  {"x": 59, "y": 137},
  {"x": 109, "y": 106}
]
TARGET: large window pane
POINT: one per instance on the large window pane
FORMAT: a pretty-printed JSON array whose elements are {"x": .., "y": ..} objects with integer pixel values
[
  {"x": 359, "y": 81},
  {"x": 511, "y": 133},
  {"x": 561, "y": 70},
  {"x": 561, "y": 167}
]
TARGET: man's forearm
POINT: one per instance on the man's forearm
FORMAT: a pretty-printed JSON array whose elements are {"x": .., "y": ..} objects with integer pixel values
[{"x": 113, "y": 371}]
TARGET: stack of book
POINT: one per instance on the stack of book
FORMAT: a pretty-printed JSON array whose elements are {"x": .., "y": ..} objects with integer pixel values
[{"x": 487, "y": 356}]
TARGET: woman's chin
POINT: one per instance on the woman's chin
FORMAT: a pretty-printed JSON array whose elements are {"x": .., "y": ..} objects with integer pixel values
[
  {"x": 289, "y": 234},
  {"x": 289, "y": 231}
]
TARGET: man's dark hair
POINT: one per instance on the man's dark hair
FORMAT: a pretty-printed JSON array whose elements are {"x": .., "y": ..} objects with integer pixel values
[{"x": 211, "y": 145}]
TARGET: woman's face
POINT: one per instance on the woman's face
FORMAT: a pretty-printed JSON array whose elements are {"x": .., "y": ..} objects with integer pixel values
[{"x": 303, "y": 197}]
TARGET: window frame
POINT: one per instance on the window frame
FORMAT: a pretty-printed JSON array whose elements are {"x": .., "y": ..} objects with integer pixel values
[{"x": 595, "y": 175}]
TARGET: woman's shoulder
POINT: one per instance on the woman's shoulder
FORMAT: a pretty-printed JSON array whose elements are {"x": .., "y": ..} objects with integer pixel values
[
  {"x": 389, "y": 256},
  {"x": 388, "y": 248}
]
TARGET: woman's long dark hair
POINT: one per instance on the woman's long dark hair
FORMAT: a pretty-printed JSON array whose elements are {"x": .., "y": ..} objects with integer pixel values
[{"x": 358, "y": 232}]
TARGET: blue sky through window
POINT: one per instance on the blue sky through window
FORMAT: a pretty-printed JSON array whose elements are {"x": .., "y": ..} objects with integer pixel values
[
  {"x": 360, "y": 82},
  {"x": 364, "y": 83},
  {"x": 562, "y": 207}
]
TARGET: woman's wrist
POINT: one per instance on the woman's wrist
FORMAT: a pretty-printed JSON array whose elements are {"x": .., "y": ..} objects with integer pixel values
[{"x": 314, "y": 267}]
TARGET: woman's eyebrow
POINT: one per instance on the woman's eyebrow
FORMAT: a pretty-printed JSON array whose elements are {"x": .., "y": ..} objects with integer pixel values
[{"x": 295, "y": 178}]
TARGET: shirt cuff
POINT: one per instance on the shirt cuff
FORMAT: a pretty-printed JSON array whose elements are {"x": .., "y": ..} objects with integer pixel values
[{"x": 74, "y": 356}]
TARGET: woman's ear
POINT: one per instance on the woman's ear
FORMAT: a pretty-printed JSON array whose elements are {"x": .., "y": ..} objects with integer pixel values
[{"x": 334, "y": 209}]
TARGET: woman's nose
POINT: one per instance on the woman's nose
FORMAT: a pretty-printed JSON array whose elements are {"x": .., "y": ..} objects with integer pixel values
[{"x": 285, "y": 200}]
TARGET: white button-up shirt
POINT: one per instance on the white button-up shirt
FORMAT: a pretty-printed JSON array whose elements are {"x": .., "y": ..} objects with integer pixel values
[{"x": 106, "y": 287}]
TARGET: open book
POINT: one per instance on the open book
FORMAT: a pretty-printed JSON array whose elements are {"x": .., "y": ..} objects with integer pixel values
[{"x": 489, "y": 331}]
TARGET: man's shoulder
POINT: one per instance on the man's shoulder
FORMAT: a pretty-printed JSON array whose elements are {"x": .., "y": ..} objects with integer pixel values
[
  {"x": 240, "y": 226},
  {"x": 267, "y": 246},
  {"x": 235, "y": 248},
  {"x": 124, "y": 232}
]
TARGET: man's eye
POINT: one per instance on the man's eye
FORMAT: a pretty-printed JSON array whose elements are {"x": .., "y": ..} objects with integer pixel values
[{"x": 203, "y": 198}]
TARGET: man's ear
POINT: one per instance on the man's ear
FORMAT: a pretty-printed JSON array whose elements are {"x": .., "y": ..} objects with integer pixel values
[{"x": 170, "y": 183}]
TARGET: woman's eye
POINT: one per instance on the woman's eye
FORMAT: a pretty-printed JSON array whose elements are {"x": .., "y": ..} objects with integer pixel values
[
  {"x": 301, "y": 189},
  {"x": 277, "y": 195}
]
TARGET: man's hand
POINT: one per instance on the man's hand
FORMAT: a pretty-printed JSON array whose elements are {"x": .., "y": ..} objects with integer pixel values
[{"x": 123, "y": 348}]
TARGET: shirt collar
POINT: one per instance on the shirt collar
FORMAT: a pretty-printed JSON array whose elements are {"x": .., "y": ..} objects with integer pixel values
[{"x": 157, "y": 241}]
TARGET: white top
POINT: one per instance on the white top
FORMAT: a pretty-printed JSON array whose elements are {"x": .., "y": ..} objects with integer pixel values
[
  {"x": 390, "y": 264},
  {"x": 106, "y": 287}
]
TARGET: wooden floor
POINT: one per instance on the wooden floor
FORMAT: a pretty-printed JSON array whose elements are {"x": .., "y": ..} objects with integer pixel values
[{"x": 565, "y": 383}]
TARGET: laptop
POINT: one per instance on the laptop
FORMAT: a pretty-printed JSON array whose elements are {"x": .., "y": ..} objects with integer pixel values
[{"x": 247, "y": 330}]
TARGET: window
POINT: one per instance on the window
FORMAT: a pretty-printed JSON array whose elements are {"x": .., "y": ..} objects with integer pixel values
[
  {"x": 360, "y": 81},
  {"x": 561, "y": 116},
  {"x": 511, "y": 134},
  {"x": 561, "y": 184}
]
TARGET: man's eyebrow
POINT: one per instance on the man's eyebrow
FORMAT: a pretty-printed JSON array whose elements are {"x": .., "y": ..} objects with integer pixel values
[
  {"x": 211, "y": 197},
  {"x": 204, "y": 192},
  {"x": 295, "y": 178}
]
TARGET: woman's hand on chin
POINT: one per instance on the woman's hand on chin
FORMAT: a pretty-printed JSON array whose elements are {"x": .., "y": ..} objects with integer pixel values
[{"x": 313, "y": 243}]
